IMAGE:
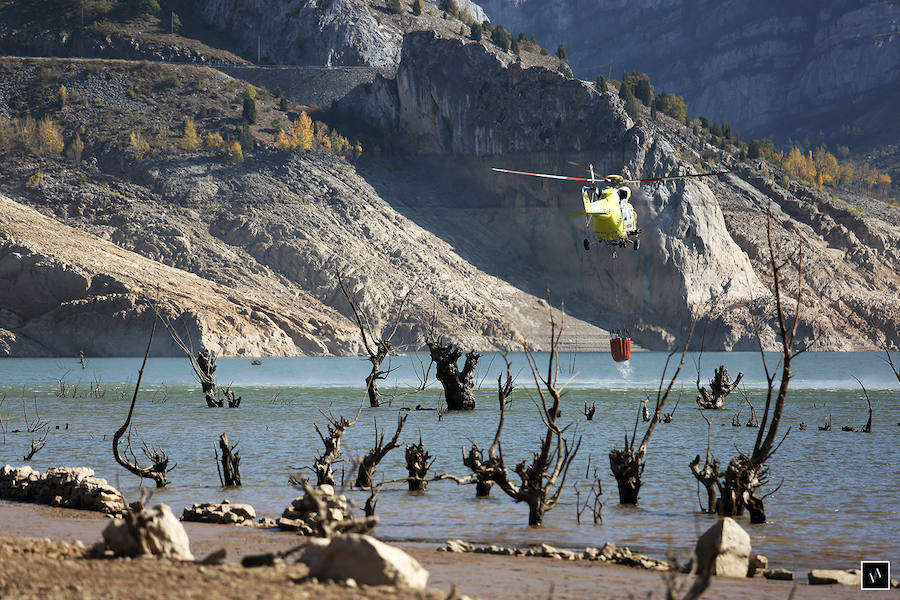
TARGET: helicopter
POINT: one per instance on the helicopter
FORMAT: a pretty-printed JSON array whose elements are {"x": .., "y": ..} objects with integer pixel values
[{"x": 608, "y": 209}]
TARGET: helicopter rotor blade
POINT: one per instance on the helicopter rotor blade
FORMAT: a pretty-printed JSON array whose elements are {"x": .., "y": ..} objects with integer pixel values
[
  {"x": 675, "y": 177},
  {"x": 544, "y": 175}
]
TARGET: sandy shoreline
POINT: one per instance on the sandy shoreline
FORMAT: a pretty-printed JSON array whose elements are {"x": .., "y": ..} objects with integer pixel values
[{"x": 484, "y": 576}]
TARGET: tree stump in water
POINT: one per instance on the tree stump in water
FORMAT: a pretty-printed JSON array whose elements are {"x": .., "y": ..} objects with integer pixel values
[
  {"x": 206, "y": 362},
  {"x": 627, "y": 467},
  {"x": 375, "y": 455},
  {"x": 475, "y": 461},
  {"x": 417, "y": 466},
  {"x": 458, "y": 385},
  {"x": 231, "y": 463},
  {"x": 720, "y": 386}
]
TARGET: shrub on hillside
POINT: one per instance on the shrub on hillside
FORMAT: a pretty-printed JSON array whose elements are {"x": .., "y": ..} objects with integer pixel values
[
  {"x": 417, "y": 7},
  {"x": 190, "y": 141},
  {"x": 235, "y": 152},
  {"x": 501, "y": 38},
  {"x": 475, "y": 31},
  {"x": 395, "y": 6}
]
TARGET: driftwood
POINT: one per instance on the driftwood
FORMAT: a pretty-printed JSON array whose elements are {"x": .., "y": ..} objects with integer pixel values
[
  {"x": 542, "y": 481},
  {"x": 417, "y": 465},
  {"x": 378, "y": 347},
  {"x": 230, "y": 475},
  {"x": 159, "y": 459},
  {"x": 336, "y": 428},
  {"x": 233, "y": 402},
  {"x": 368, "y": 463},
  {"x": 827, "y": 425},
  {"x": 720, "y": 386},
  {"x": 589, "y": 412},
  {"x": 627, "y": 464},
  {"x": 458, "y": 384}
]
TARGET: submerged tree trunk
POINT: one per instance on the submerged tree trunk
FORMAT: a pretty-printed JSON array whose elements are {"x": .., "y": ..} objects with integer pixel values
[
  {"x": 417, "y": 466},
  {"x": 720, "y": 386},
  {"x": 627, "y": 467},
  {"x": 231, "y": 463},
  {"x": 458, "y": 385},
  {"x": 206, "y": 362}
]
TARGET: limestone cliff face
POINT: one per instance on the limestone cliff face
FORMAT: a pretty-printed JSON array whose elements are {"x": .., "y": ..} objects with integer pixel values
[
  {"x": 336, "y": 32},
  {"x": 452, "y": 96},
  {"x": 456, "y": 98},
  {"x": 757, "y": 65}
]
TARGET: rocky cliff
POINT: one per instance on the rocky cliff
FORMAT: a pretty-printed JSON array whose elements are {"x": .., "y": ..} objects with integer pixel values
[
  {"x": 693, "y": 257},
  {"x": 767, "y": 67},
  {"x": 337, "y": 32}
]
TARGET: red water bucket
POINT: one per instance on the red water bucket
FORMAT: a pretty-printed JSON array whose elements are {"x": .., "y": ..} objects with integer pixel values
[{"x": 620, "y": 348}]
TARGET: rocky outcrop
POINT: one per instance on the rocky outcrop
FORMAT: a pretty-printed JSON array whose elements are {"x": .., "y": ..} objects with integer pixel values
[
  {"x": 61, "y": 486},
  {"x": 220, "y": 513},
  {"x": 305, "y": 32},
  {"x": 365, "y": 560},
  {"x": 452, "y": 96},
  {"x": 760, "y": 67}
]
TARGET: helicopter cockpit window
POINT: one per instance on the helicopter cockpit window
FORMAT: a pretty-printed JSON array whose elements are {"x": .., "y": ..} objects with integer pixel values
[{"x": 624, "y": 193}]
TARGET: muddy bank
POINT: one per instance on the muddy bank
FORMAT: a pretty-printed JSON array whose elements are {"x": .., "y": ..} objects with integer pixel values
[{"x": 484, "y": 576}]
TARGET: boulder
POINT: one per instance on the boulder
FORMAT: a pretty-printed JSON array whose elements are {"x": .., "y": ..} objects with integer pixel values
[
  {"x": 832, "y": 576},
  {"x": 148, "y": 531},
  {"x": 758, "y": 563},
  {"x": 724, "y": 549},
  {"x": 778, "y": 574},
  {"x": 364, "y": 559}
]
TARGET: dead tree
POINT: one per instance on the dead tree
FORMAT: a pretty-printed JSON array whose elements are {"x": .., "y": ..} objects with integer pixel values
[
  {"x": 890, "y": 360},
  {"x": 233, "y": 402},
  {"x": 475, "y": 461},
  {"x": 709, "y": 474},
  {"x": 158, "y": 458},
  {"x": 589, "y": 412},
  {"x": 458, "y": 384},
  {"x": 753, "y": 421},
  {"x": 377, "y": 347},
  {"x": 541, "y": 481},
  {"x": 645, "y": 412},
  {"x": 719, "y": 388},
  {"x": 627, "y": 464},
  {"x": 667, "y": 417},
  {"x": 827, "y": 425},
  {"x": 206, "y": 371},
  {"x": 204, "y": 366},
  {"x": 417, "y": 465},
  {"x": 230, "y": 475},
  {"x": 747, "y": 473},
  {"x": 37, "y": 444},
  {"x": 368, "y": 463},
  {"x": 336, "y": 428},
  {"x": 868, "y": 426}
]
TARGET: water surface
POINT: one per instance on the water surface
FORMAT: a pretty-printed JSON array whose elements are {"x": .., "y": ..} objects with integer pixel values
[{"x": 837, "y": 504}]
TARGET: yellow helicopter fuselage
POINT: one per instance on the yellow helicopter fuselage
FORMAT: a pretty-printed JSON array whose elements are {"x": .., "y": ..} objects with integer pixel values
[{"x": 612, "y": 216}]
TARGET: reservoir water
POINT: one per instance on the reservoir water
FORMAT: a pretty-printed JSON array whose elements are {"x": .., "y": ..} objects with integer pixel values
[{"x": 838, "y": 503}]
